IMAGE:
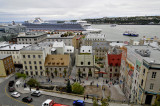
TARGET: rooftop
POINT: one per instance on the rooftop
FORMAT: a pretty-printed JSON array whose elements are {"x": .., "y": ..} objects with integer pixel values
[
  {"x": 102, "y": 45},
  {"x": 117, "y": 44},
  {"x": 154, "y": 53},
  {"x": 57, "y": 60},
  {"x": 15, "y": 47},
  {"x": 86, "y": 49},
  {"x": 2, "y": 56},
  {"x": 31, "y": 34},
  {"x": 58, "y": 36},
  {"x": 2, "y": 44},
  {"x": 58, "y": 44},
  {"x": 95, "y": 36},
  {"x": 34, "y": 48}
]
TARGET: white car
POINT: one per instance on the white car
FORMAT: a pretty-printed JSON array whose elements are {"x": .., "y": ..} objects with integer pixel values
[
  {"x": 15, "y": 94},
  {"x": 48, "y": 102}
]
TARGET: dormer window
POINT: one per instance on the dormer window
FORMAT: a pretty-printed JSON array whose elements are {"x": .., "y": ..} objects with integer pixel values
[
  {"x": 89, "y": 50},
  {"x": 83, "y": 50},
  {"x": 81, "y": 63},
  {"x": 89, "y": 63}
]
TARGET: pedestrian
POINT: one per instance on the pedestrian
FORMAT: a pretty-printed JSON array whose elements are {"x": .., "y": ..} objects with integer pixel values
[
  {"x": 104, "y": 89},
  {"x": 87, "y": 96},
  {"x": 97, "y": 85},
  {"x": 84, "y": 97}
]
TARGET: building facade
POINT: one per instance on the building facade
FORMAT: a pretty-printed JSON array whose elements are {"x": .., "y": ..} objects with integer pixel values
[
  {"x": 31, "y": 38},
  {"x": 85, "y": 65},
  {"x": 58, "y": 65},
  {"x": 33, "y": 59},
  {"x": 6, "y": 65}
]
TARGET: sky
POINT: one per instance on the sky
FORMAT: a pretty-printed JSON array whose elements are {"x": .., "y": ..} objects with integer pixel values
[{"x": 21, "y": 10}]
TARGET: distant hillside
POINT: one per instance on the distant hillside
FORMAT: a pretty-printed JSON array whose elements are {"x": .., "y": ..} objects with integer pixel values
[{"x": 137, "y": 20}]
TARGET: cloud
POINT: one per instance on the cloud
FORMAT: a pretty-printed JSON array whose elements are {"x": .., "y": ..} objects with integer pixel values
[{"x": 20, "y": 10}]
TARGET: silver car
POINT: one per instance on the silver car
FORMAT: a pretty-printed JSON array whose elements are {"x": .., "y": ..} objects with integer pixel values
[{"x": 15, "y": 94}]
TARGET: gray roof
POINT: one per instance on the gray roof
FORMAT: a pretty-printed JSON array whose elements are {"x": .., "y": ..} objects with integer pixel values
[
  {"x": 154, "y": 53},
  {"x": 102, "y": 45},
  {"x": 58, "y": 36},
  {"x": 2, "y": 56},
  {"x": 33, "y": 48}
]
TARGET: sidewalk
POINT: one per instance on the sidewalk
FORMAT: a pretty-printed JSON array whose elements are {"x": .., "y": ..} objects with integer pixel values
[
  {"x": 4, "y": 78},
  {"x": 20, "y": 89}
]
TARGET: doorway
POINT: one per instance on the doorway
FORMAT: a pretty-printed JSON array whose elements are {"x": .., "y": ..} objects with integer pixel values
[{"x": 148, "y": 99}]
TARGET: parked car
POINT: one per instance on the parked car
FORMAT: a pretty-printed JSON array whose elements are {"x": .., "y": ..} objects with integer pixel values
[
  {"x": 11, "y": 89},
  {"x": 27, "y": 99},
  {"x": 50, "y": 102},
  {"x": 11, "y": 83},
  {"x": 36, "y": 93},
  {"x": 78, "y": 103},
  {"x": 15, "y": 94}
]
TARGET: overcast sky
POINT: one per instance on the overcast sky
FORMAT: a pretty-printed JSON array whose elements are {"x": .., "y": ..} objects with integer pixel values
[{"x": 20, "y": 10}]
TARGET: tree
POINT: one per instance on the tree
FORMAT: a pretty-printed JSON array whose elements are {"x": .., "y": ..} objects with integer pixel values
[
  {"x": 65, "y": 72},
  {"x": 68, "y": 87},
  {"x": 19, "y": 75},
  {"x": 104, "y": 102},
  {"x": 95, "y": 102},
  {"x": 77, "y": 88},
  {"x": 47, "y": 72},
  {"x": 157, "y": 101},
  {"x": 55, "y": 72},
  {"x": 33, "y": 83}
]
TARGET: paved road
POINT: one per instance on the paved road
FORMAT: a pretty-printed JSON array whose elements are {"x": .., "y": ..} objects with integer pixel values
[{"x": 7, "y": 100}]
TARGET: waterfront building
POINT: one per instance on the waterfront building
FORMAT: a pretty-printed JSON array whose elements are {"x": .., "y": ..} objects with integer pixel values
[
  {"x": 100, "y": 49},
  {"x": 85, "y": 65},
  {"x": 68, "y": 40},
  {"x": 14, "y": 50},
  {"x": 31, "y": 38},
  {"x": 142, "y": 65},
  {"x": 58, "y": 65},
  {"x": 6, "y": 65},
  {"x": 89, "y": 39},
  {"x": 33, "y": 59},
  {"x": 113, "y": 63}
]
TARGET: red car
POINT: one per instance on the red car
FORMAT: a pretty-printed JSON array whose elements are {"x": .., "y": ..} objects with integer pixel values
[{"x": 50, "y": 102}]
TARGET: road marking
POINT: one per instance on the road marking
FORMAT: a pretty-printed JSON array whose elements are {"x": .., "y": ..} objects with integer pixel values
[{"x": 16, "y": 99}]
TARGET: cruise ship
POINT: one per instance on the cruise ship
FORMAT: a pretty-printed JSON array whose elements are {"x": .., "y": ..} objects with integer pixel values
[{"x": 40, "y": 25}]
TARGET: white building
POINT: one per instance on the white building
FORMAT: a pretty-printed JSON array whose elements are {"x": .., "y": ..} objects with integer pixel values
[{"x": 14, "y": 50}]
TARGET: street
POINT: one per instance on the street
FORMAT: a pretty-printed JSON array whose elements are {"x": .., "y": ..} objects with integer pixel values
[{"x": 7, "y": 100}]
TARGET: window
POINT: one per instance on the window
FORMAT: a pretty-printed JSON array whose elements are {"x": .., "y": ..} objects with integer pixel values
[
  {"x": 23, "y": 56},
  {"x": 39, "y": 56},
  {"x": 34, "y": 56},
  {"x": 89, "y": 63},
  {"x": 115, "y": 70},
  {"x": 40, "y": 62},
  {"x": 30, "y": 67},
  {"x": 154, "y": 74},
  {"x": 40, "y": 67},
  {"x": 28, "y": 56},
  {"x": 142, "y": 82},
  {"x": 26, "y": 67},
  {"x": 151, "y": 86},
  {"x": 81, "y": 63},
  {"x": 35, "y": 67},
  {"x": 24, "y": 62},
  {"x": 29, "y": 62},
  {"x": 34, "y": 62},
  {"x": 143, "y": 71},
  {"x": 110, "y": 70}
]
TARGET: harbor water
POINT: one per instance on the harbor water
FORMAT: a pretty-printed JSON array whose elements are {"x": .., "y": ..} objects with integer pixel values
[{"x": 116, "y": 33}]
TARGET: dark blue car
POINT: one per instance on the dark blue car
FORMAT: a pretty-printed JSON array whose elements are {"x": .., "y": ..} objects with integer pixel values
[{"x": 78, "y": 103}]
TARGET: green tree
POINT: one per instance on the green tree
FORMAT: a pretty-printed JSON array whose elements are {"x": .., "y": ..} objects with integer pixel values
[
  {"x": 95, "y": 102},
  {"x": 65, "y": 72},
  {"x": 33, "y": 83},
  {"x": 104, "y": 102},
  {"x": 81, "y": 33},
  {"x": 157, "y": 101},
  {"x": 55, "y": 72},
  {"x": 19, "y": 75},
  {"x": 77, "y": 88},
  {"x": 68, "y": 87}
]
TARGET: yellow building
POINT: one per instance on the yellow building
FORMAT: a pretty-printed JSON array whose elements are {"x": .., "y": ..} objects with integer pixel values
[
  {"x": 57, "y": 65},
  {"x": 6, "y": 65}
]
